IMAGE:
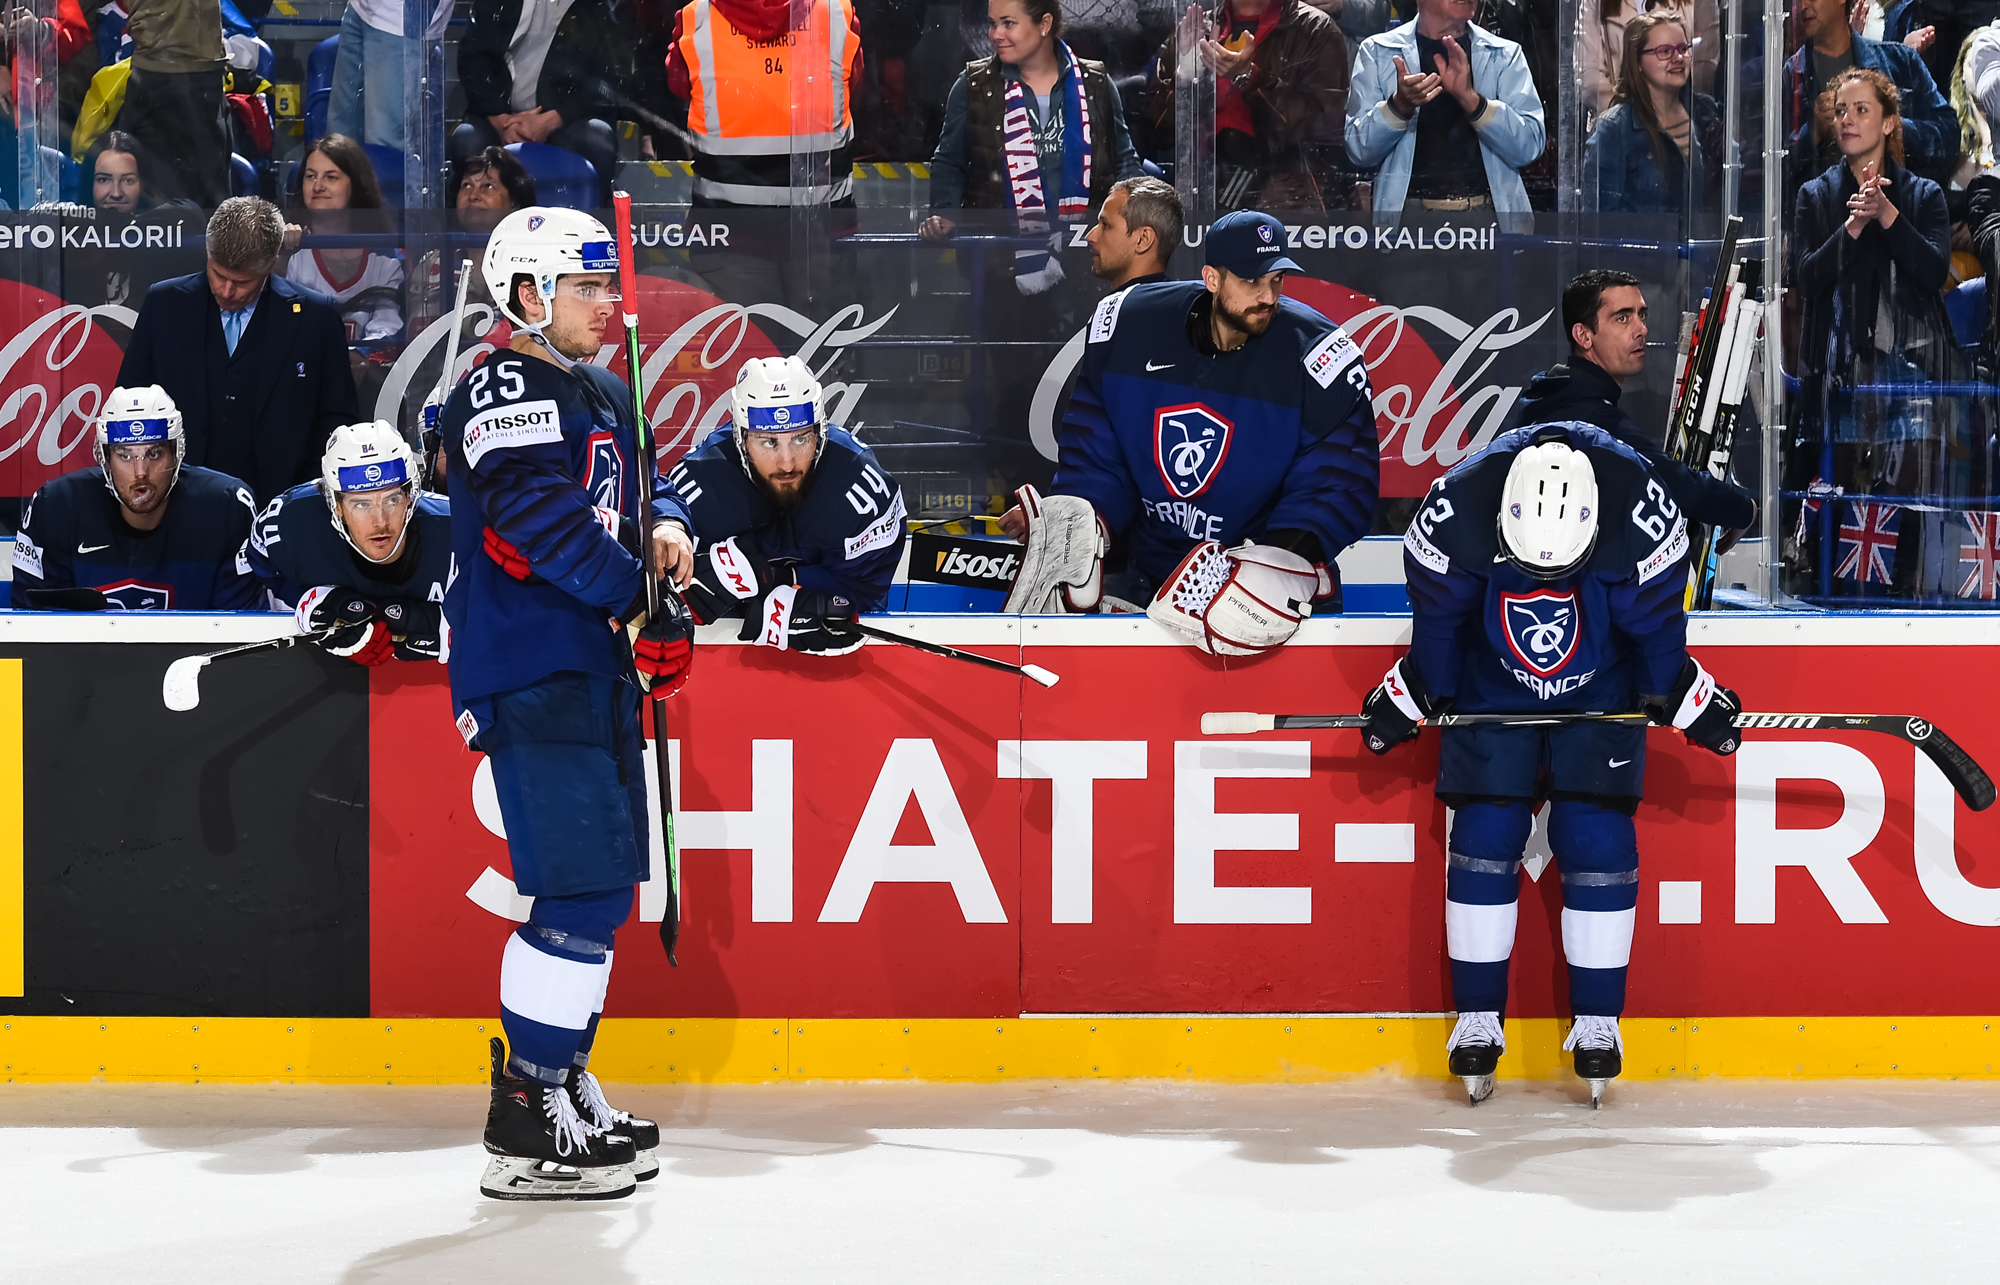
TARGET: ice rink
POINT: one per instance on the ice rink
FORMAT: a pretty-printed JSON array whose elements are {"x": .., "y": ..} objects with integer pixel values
[{"x": 1374, "y": 1180}]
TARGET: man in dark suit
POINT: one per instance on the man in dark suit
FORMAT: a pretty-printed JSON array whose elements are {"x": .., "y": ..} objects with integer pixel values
[{"x": 256, "y": 364}]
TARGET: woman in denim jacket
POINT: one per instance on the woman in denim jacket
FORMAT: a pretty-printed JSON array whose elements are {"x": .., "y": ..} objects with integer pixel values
[{"x": 1658, "y": 149}]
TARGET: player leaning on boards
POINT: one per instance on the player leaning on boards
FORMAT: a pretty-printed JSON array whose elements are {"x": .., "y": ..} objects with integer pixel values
[
  {"x": 549, "y": 651},
  {"x": 801, "y": 528},
  {"x": 1546, "y": 574},
  {"x": 1229, "y": 432},
  {"x": 146, "y": 531},
  {"x": 362, "y": 556}
]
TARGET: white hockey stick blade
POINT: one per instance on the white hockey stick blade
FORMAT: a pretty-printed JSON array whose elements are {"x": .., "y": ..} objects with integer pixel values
[
  {"x": 1236, "y": 724},
  {"x": 1040, "y": 675},
  {"x": 182, "y": 689}
]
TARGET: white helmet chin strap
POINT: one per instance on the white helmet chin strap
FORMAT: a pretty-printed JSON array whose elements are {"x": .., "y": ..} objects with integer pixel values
[{"x": 535, "y": 332}]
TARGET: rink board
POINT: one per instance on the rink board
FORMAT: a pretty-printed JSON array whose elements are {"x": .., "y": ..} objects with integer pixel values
[{"x": 892, "y": 840}]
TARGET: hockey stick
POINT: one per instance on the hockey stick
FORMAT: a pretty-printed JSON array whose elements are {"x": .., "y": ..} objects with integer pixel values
[
  {"x": 180, "y": 691},
  {"x": 434, "y": 407},
  {"x": 1033, "y": 672},
  {"x": 648, "y": 460},
  {"x": 1698, "y": 360},
  {"x": 1967, "y": 778}
]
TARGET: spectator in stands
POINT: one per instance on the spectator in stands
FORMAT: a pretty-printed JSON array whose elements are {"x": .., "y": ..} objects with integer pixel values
[
  {"x": 330, "y": 187},
  {"x": 258, "y": 365},
  {"x": 1600, "y": 45},
  {"x": 1280, "y": 99},
  {"x": 116, "y": 172},
  {"x": 1928, "y": 132},
  {"x": 1449, "y": 112},
  {"x": 1031, "y": 91},
  {"x": 141, "y": 530},
  {"x": 768, "y": 133},
  {"x": 1871, "y": 244},
  {"x": 487, "y": 185},
  {"x": 1658, "y": 149},
  {"x": 374, "y": 51},
  {"x": 536, "y": 72},
  {"x": 1605, "y": 313},
  {"x": 1982, "y": 194},
  {"x": 117, "y": 185},
  {"x": 173, "y": 103},
  {"x": 1136, "y": 232}
]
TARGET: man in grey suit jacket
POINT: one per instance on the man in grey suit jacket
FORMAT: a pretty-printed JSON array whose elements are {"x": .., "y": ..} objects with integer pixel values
[{"x": 257, "y": 365}]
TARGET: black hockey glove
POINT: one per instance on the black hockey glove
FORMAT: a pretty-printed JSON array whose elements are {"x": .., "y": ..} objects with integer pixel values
[
  {"x": 730, "y": 578},
  {"x": 1703, "y": 709},
  {"x": 418, "y": 628},
  {"x": 797, "y": 619},
  {"x": 356, "y": 629},
  {"x": 1396, "y": 707}
]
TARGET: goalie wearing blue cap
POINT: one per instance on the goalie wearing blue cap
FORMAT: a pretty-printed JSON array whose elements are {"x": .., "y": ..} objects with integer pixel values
[
  {"x": 146, "y": 531},
  {"x": 362, "y": 556}
]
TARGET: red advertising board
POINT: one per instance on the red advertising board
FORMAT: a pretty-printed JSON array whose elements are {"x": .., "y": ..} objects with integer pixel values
[{"x": 893, "y": 834}]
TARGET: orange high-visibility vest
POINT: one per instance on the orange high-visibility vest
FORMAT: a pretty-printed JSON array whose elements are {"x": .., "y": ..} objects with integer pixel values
[{"x": 752, "y": 98}]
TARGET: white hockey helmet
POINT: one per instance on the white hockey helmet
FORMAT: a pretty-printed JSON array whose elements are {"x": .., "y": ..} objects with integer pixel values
[
  {"x": 776, "y": 395},
  {"x": 1548, "y": 510},
  {"x": 546, "y": 243},
  {"x": 135, "y": 417},
  {"x": 367, "y": 457}
]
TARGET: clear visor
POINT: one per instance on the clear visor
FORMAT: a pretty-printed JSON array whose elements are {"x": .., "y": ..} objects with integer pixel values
[
  {"x": 764, "y": 442},
  {"x": 589, "y": 291}
]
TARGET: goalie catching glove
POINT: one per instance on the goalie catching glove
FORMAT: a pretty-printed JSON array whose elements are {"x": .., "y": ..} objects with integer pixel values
[
  {"x": 1243, "y": 601},
  {"x": 355, "y": 626},
  {"x": 1702, "y": 708},
  {"x": 1062, "y": 558},
  {"x": 663, "y": 647},
  {"x": 1396, "y": 707}
]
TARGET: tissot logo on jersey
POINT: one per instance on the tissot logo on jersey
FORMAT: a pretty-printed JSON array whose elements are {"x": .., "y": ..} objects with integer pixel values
[
  {"x": 1189, "y": 444},
  {"x": 521, "y": 424},
  {"x": 1542, "y": 628}
]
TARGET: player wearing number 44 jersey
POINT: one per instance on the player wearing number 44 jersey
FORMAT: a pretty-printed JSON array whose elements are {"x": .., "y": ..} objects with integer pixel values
[
  {"x": 1228, "y": 432},
  {"x": 1546, "y": 574},
  {"x": 550, "y": 648},
  {"x": 800, "y": 526}
]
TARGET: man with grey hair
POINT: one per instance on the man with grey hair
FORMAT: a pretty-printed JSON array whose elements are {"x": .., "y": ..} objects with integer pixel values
[
  {"x": 257, "y": 364},
  {"x": 1136, "y": 232}
]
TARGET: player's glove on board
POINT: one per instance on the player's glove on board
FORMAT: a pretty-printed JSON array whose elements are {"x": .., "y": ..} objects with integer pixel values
[
  {"x": 1243, "y": 601},
  {"x": 807, "y": 620},
  {"x": 510, "y": 559},
  {"x": 357, "y": 629},
  {"x": 1703, "y": 709},
  {"x": 418, "y": 629},
  {"x": 730, "y": 577},
  {"x": 1396, "y": 707},
  {"x": 662, "y": 646}
]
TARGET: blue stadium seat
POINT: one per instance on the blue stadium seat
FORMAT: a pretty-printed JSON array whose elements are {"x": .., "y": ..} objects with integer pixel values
[
  {"x": 388, "y": 163},
  {"x": 319, "y": 85},
  {"x": 242, "y": 176},
  {"x": 1966, "y": 306},
  {"x": 561, "y": 176}
]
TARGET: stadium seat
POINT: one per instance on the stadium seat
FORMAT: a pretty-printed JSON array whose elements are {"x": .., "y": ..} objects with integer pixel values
[
  {"x": 242, "y": 176},
  {"x": 561, "y": 176},
  {"x": 388, "y": 163},
  {"x": 1966, "y": 306},
  {"x": 319, "y": 85}
]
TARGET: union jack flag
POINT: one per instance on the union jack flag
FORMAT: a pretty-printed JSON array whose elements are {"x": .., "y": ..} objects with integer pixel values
[
  {"x": 1868, "y": 541},
  {"x": 1981, "y": 580}
]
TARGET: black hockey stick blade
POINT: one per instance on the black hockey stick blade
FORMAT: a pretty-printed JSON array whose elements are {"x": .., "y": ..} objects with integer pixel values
[
  {"x": 1967, "y": 778},
  {"x": 1034, "y": 673},
  {"x": 77, "y": 598}
]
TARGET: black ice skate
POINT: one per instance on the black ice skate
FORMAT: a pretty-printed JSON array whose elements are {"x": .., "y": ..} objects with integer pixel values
[
  {"x": 588, "y": 1097},
  {"x": 1475, "y": 1046},
  {"x": 1600, "y": 1053},
  {"x": 542, "y": 1150}
]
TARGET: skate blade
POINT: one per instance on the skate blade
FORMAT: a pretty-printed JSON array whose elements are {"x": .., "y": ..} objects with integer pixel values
[
  {"x": 645, "y": 1168},
  {"x": 519, "y": 1178},
  {"x": 1478, "y": 1088},
  {"x": 1596, "y": 1093}
]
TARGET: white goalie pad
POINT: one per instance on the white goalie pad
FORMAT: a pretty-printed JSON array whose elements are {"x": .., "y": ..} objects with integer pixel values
[
  {"x": 1236, "y": 602},
  {"x": 1062, "y": 561}
]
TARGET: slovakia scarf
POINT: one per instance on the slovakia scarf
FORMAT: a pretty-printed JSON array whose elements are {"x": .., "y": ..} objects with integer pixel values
[{"x": 1038, "y": 269}]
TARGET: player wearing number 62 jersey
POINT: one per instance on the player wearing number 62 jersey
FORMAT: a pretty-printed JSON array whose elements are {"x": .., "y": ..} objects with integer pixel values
[{"x": 1546, "y": 575}]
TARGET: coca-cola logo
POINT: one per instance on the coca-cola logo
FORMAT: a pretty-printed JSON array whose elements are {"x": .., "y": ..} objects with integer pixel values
[{"x": 56, "y": 368}]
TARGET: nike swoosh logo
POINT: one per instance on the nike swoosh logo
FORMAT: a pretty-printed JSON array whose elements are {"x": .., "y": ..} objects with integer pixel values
[
  {"x": 1162, "y": 366},
  {"x": 1619, "y": 762},
  {"x": 91, "y": 548}
]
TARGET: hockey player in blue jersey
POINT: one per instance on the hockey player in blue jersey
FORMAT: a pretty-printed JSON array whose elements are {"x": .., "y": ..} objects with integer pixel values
[
  {"x": 1546, "y": 575},
  {"x": 549, "y": 650},
  {"x": 801, "y": 528},
  {"x": 1229, "y": 433},
  {"x": 362, "y": 553},
  {"x": 141, "y": 528}
]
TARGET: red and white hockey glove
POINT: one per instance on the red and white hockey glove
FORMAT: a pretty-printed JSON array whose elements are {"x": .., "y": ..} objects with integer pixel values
[
  {"x": 1243, "y": 601},
  {"x": 357, "y": 630},
  {"x": 662, "y": 647},
  {"x": 1395, "y": 708},
  {"x": 1702, "y": 708}
]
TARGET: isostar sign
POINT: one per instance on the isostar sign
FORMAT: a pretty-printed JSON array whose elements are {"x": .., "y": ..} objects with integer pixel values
[{"x": 893, "y": 834}]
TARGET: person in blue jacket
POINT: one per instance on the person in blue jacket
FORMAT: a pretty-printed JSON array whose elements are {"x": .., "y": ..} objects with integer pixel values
[
  {"x": 363, "y": 555},
  {"x": 1658, "y": 148},
  {"x": 551, "y": 647},
  {"x": 801, "y": 526}
]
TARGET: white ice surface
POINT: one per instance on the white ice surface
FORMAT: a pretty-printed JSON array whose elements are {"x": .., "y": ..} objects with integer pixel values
[{"x": 1365, "y": 1181}]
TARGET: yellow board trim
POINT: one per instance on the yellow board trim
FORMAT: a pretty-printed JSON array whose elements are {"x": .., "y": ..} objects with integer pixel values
[
  {"x": 758, "y": 1050},
  {"x": 13, "y": 913}
]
